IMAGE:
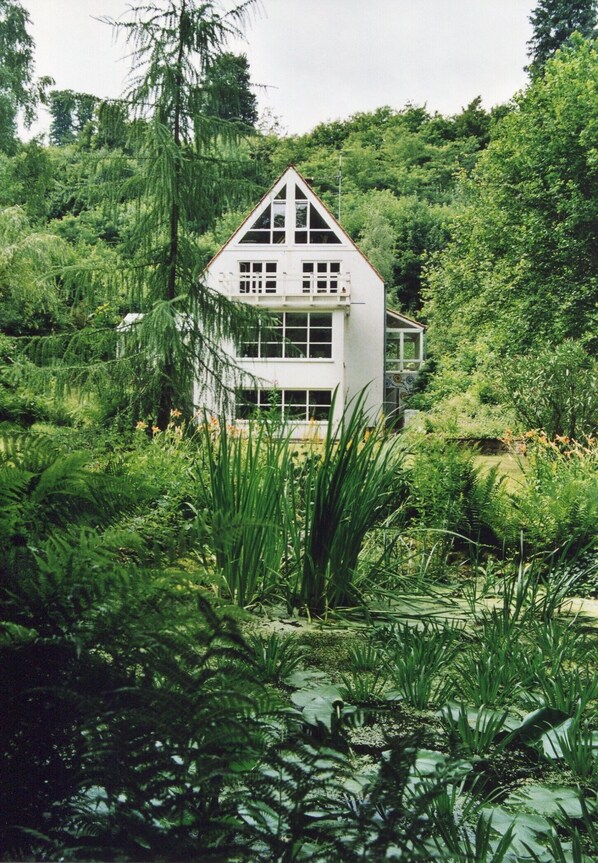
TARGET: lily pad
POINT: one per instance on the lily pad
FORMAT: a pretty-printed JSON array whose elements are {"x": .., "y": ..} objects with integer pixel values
[{"x": 549, "y": 801}]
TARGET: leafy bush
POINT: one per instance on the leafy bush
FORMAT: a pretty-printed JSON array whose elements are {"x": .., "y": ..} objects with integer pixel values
[
  {"x": 557, "y": 508},
  {"x": 555, "y": 390},
  {"x": 451, "y": 494}
]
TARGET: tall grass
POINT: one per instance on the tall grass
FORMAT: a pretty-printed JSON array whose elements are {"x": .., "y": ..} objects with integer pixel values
[
  {"x": 344, "y": 494},
  {"x": 244, "y": 485}
]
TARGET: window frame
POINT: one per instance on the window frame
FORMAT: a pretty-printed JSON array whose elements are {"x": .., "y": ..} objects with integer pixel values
[
  {"x": 316, "y": 403},
  {"x": 266, "y": 349}
]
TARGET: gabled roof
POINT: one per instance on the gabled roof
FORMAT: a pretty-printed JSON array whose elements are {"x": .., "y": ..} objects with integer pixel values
[
  {"x": 404, "y": 320},
  {"x": 291, "y": 175}
]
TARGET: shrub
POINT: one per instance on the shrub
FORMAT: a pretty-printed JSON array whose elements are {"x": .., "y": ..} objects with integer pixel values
[
  {"x": 451, "y": 494},
  {"x": 557, "y": 508},
  {"x": 555, "y": 390}
]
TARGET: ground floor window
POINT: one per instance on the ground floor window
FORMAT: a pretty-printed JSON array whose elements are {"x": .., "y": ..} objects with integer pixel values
[{"x": 298, "y": 405}]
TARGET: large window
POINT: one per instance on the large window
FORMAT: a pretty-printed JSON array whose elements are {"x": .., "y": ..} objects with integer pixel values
[
  {"x": 269, "y": 227},
  {"x": 298, "y": 405},
  {"x": 292, "y": 335},
  {"x": 257, "y": 277},
  {"x": 310, "y": 226}
]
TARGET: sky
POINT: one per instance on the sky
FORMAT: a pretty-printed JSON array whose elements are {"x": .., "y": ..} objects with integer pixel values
[{"x": 320, "y": 60}]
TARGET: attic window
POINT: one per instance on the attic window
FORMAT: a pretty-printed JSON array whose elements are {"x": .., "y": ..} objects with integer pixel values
[
  {"x": 269, "y": 227},
  {"x": 310, "y": 226}
]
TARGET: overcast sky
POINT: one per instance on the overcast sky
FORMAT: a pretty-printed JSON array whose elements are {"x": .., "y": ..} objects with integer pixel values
[{"x": 320, "y": 60}]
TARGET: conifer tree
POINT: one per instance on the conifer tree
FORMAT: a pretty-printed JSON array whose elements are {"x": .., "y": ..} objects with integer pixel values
[
  {"x": 186, "y": 171},
  {"x": 554, "y": 22}
]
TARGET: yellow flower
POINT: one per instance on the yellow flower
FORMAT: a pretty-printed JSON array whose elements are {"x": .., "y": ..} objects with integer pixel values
[
  {"x": 141, "y": 425},
  {"x": 176, "y": 413},
  {"x": 156, "y": 429}
]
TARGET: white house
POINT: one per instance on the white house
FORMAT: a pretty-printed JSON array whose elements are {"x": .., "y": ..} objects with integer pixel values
[{"x": 329, "y": 328}]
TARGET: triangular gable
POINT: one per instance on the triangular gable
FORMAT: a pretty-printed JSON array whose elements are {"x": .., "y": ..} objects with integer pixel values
[
  {"x": 264, "y": 226},
  {"x": 292, "y": 214}
]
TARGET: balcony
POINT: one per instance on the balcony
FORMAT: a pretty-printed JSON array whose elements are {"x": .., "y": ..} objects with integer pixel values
[{"x": 276, "y": 290}]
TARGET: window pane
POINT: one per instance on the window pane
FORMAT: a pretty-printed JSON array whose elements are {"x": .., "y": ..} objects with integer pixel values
[
  {"x": 294, "y": 397},
  {"x": 316, "y": 220},
  {"x": 320, "y": 351},
  {"x": 271, "y": 267},
  {"x": 410, "y": 351},
  {"x": 299, "y": 196},
  {"x": 300, "y": 237},
  {"x": 278, "y": 214},
  {"x": 300, "y": 215},
  {"x": 246, "y": 403},
  {"x": 319, "y": 412},
  {"x": 320, "y": 336},
  {"x": 271, "y": 350},
  {"x": 295, "y": 349},
  {"x": 250, "y": 349},
  {"x": 296, "y": 319},
  {"x": 277, "y": 237},
  {"x": 320, "y": 320},
  {"x": 320, "y": 397},
  {"x": 262, "y": 221},
  {"x": 335, "y": 268},
  {"x": 308, "y": 267},
  {"x": 296, "y": 334},
  {"x": 256, "y": 237},
  {"x": 323, "y": 237},
  {"x": 282, "y": 194}
]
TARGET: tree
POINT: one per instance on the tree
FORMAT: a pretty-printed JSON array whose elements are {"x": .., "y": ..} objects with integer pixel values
[
  {"x": 227, "y": 88},
  {"x": 185, "y": 175},
  {"x": 70, "y": 113},
  {"x": 554, "y": 22},
  {"x": 18, "y": 90},
  {"x": 521, "y": 270}
]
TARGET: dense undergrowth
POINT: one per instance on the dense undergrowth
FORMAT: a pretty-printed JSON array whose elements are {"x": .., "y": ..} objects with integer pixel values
[{"x": 231, "y": 646}]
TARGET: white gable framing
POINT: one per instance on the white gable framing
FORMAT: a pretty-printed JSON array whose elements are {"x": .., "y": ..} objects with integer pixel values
[{"x": 292, "y": 258}]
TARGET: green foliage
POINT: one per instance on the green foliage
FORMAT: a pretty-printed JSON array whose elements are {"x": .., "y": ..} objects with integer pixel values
[
  {"x": 417, "y": 660},
  {"x": 343, "y": 494},
  {"x": 555, "y": 390},
  {"x": 244, "y": 483},
  {"x": 32, "y": 298},
  {"x": 557, "y": 506},
  {"x": 520, "y": 270},
  {"x": 554, "y": 22},
  {"x": 276, "y": 656},
  {"x": 449, "y": 493},
  {"x": 70, "y": 113},
  {"x": 18, "y": 90},
  {"x": 227, "y": 89}
]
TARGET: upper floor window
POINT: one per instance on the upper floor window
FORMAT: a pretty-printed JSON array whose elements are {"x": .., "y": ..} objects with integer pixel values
[
  {"x": 269, "y": 227},
  {"x": 310, "y": 226},
  {"x": 257, "y": 277},
  {"x": 321, "y": 277},
  {"x": 292, "y": 335},
  {"x": 290, "y": 216}
]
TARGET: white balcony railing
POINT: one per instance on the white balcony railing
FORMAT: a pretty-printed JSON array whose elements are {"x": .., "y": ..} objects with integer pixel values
[{"x": 267, "y": 288}]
